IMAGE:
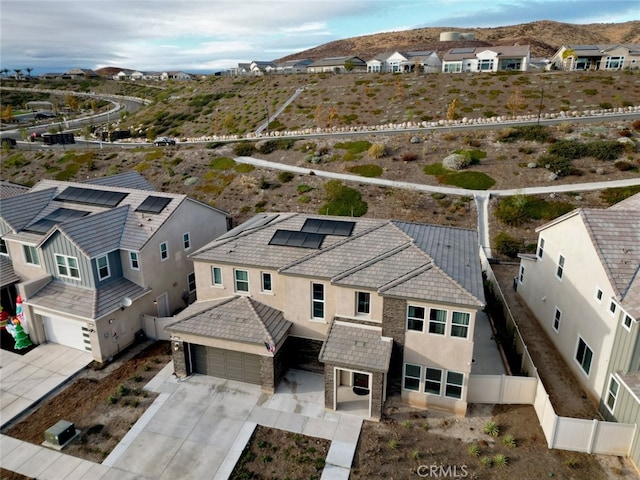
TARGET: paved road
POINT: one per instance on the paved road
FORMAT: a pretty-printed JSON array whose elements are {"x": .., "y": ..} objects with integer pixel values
[{"x": 481, "y": 197}]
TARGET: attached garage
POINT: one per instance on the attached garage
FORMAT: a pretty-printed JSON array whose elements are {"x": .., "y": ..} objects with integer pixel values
[
  {"x": 67, "y": 332},
  {"x": 229, "y": 364}
]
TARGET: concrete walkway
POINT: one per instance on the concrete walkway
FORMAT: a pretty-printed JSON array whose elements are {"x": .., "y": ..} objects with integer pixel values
[{"x": 196, "y": 428}]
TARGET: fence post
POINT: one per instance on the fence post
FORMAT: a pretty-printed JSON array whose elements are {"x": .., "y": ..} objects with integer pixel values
[
  {"x": 592, "y": 437},
  {"x": 551, "y": 441}
]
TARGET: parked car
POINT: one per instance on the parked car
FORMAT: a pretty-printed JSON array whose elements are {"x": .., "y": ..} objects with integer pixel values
[{"x": 164, "y": 141}]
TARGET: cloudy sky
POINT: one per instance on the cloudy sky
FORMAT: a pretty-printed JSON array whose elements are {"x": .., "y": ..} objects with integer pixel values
[{"x": 212, "y": 35}]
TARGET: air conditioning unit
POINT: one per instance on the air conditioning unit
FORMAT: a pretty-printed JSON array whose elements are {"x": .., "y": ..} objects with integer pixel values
[{"x": 60, "y": 434}]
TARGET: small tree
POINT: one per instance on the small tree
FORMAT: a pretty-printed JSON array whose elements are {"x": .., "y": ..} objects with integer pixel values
[
  {"x": 507, "y": 245},
  {"x": 451, "y": 110},
  {"x": 349, "y": 65},
  {"x": 515, "y": 101}
]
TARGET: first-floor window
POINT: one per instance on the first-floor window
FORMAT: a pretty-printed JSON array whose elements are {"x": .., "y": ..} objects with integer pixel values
[
  {"x": 363, "y": 303},
  {"x": 437, "y": 321},
  {"x": 103, "y": 267},
  {"x": 266, "y": 282},
  {"x": 415, "y": 318},
  {"x": 191, "y": 282},
  {"x": 31, "y": 255},
  {"x": 317, "y": 300},
  {"x": 242, "y": 280},
  {"x": 67, "y": 266},
  {"x": 612, "y": 394},
  {"x": 556, "y": 319},
  {"x": 216, "y": 276},
  {"x": 164, "y": 251},
  {"x": 521, "y": 273},
  {"x": 412, "y": 377},
  {"x": 584, "y": 355},
  {"x": 133, "y": 261},
  {"x": 453, "y": 388},
  {"x": 460, "y": 324},
  {"x": 432, "y": 380}
]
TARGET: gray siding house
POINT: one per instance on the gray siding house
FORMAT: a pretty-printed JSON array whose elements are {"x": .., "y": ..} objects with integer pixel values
[{"x": 91, "y": 258}]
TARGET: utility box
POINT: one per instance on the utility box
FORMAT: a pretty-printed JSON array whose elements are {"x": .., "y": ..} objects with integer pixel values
[{"x": 61, "y": 433}]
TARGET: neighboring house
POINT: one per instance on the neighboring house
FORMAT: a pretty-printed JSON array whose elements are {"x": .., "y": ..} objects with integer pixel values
[
  {"x": 383, "y": 307},
  {"x": 80, "y": 73},
  {"x": 294, "y": 66},
  {"x": 486, "y": 59},
  {"x": 93, "y": 257},
  {"x": 597, "y": 57},
  {"x": 123, "y": 74},
  {"x": 347, "y": 64},
  {"x": 258, "y": 67},
  {"x": 164, "y": 76},
  {"x": 405, "y": 62},
  {"x": 241, "y": 69},
  {"x": 583, "y": 285}
]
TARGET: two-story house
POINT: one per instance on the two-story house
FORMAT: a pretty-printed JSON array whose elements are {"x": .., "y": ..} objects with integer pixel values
[
  {"x": 382, "y": 307},
  {"x": 486, "y": 59},
  {"x": 583, "y": 285},
  {"x": 93, "y": 257}
]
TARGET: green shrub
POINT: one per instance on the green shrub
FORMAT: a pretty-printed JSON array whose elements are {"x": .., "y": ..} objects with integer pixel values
[
  {"x": 268, "y": 146},
  {"x": 509, "y": 441},
  {"x": 244, "y": 168},
  {"x": 303, "y": 188},
  {"x": 468, "y": 180},
  {"x": 244, "y": 149},
  {"x": 518, "y": 209},
  {"x": 285, "y": 177},
  {"x": 556, "y": 164},
  {"x": 507, "y": 245},
  {"x": 569, "y": 149},
  {"x": 492, "y": 429},
  {"x": 499, "y": 460},
  {"x": 486, "y": 461},
  {"x": 473, "y": 450},
  {"x": 435, "y": 169},
  {"x": 222, "y": 163},
  {"x": 377, "y": 150},
  {"x": 615, "y": 195},
  {"x": 531, "y": 133},
  {"x": 474, "y": 156},
  {"x": 122, "y": 390},
  {"x": 366, "y": 170},
  {"x": 342, "y": 200},
  {"x": 605, "y": 150}
]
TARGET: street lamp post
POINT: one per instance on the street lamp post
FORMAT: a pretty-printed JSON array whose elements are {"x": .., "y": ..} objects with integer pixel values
[
  {"x": 266, "y": 106},
  {"x": 541, "y": 99}
]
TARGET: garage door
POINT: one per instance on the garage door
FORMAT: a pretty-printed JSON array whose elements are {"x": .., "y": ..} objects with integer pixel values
[
  {"x": 67, "y": 332},
  {"x": 217, "y": 362}
]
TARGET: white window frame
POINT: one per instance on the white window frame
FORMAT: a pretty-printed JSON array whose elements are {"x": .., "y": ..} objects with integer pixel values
[
  {"x": 164, "y": 252},
  {"x": 134, "y": 260},
  {"x": 626, "y": 326},
  {"x": 521, "y": 275},
  {"x": 613, "y": 308},
  {"x": 599, "y": 295},
  {"x": 405, "y": 377},
  {"x": 317, "y": 301},
  {"x": 453, "y": 385},
  {"x": 215, "y": 269},
  {"x": 98, "y": 268},
  {"x": 191, "y": 281},
  {"x": 366, "y": 303},
  {"x": 580, "y": 361},
  {"x": 237, "y": 282},
  {"x": 414, "y": 318},
  {"x": 31, "y": 256},
  {"x": 427, "y": 380},
  {"x": 557, "y": 318},
  {"x": 4, "y": 250},
  {"x": 186, "y": 240},
  {"x": 612, "y": 394},
  {"x": 65, "y": 264},
  {"x": 437, "y": 322},
  {"x": 461, "y": 326},
  {"x": 540, "y": 251},
  {"x": 560, "y": 267},
  {"x": 263, "y": 277}
]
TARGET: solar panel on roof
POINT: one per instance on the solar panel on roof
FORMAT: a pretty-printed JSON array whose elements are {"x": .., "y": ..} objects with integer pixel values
[
  {"x": 90, "y": 196},
  {"x": 328, "y": 227},
  {"x": 153, "y": 204},
  {"x": 293, "y": 238},
  {"x": 60, "y": 215}
]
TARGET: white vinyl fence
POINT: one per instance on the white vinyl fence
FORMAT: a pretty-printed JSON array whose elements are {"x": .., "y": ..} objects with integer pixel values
[
  {"x": 589, "y": 436},
  {"x": 154, "y": 326}
]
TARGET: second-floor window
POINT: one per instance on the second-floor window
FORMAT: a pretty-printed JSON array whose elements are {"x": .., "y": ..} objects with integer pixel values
[
  {"x": 556, "y": 319},
  {"x": 415, "y": 318},
  {"x": 317, "y": 300},
  {"x": 31, "y": 255},
  {"x": 103, "y": 267},
  {"x": 67, "y": 266},
  {"x": 627, "y": 322},
  {"x": 242, "y": 281},
  {"x": 133, "y": 261},
  {"x": 560, "y": 268},
  {"x": 437, "y": 321},
  {"x": 216, "y": 276},
  {"x": 164, "y": 251},
  {"x": 460, "y": 324},
  {"x": 363, "y": 303},
  {"x": 3, "y": 248},
  {"x": 186, "y": 240},
  {"x": 266, "y": 282},
  {"x": 541, "y": 248}
]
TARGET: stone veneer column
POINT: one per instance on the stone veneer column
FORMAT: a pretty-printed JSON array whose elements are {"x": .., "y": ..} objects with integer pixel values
[
  {"x": 377, "y": 386},
  {"x": 179, "y": 359},
  {"x": 394, "y": 311},
  {"x": 328, "y": 387},
  {"x": 267, "y": 380}
]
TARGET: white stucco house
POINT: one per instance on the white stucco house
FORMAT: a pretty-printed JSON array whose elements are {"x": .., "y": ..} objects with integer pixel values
[{"x": 486, "y": 59}]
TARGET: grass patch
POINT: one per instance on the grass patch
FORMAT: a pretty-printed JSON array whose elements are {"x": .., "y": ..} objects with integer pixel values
[
  {"x": 435, "y": 169},
  {"x": 342, "y": 200},
  {"x": 519, "y": 209},
  {"x": 615, "y": 195},
  {"x": 244, "y": 168},
  {"x": 354, "y": 148},
  {"x": 366, "y": 170},
  {"x": 468, "y": 180},
  {"x": 222, "y": 163}
]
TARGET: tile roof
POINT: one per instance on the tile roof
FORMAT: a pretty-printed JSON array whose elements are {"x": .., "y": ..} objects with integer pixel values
[
  {"x": 18, "y": 211},
  {"x": 356, "y": 346},
  {"x": 7, "y": 275},
  {"x": 632, "y": 382},
  {"x": 130, "y": 179},
  {"x": 85, "y": 302},
  {"x": 615, "y": 234},
  {"x": 9, "y": 189},
  {"x": 502, "y": 51},
  {"x": 238, "y": 318},
  {"x": 376, "y": 254}
]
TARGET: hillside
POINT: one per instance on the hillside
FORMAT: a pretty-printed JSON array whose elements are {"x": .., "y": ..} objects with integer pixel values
[{"x": 545, "y": 37}]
